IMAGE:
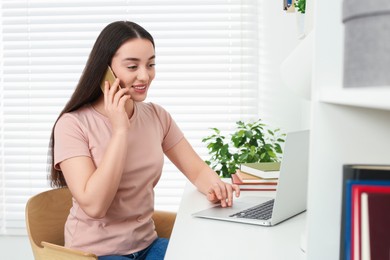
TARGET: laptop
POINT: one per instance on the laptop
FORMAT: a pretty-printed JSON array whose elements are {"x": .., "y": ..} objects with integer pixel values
[{"x": 291, "y": 191}]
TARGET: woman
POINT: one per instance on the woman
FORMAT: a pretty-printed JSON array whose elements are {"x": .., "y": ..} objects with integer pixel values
[{"x": 108, "y": 149}]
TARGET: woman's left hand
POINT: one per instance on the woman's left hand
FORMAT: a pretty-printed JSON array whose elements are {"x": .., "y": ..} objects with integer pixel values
[{"x": 223, "y": 192}]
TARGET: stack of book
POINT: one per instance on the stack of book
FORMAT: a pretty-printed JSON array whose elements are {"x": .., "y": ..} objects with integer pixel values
[
  {"x": 365, "y": 225},
  {"x": 257, "y": 176}
]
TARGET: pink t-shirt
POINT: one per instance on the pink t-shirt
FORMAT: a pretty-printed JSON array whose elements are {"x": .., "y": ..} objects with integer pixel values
[{"x": 127, "y": 226}]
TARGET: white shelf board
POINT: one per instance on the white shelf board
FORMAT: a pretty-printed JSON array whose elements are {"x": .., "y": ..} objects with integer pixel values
[{"x": 377, "y": 97}]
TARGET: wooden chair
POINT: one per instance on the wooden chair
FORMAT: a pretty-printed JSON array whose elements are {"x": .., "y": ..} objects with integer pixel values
[{"x": 46, "y": 214}]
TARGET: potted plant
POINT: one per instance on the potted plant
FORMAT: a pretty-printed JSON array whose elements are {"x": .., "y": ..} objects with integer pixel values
[
  {"x": 251, "y": 142},
  {"x": 300, "y": 5}
]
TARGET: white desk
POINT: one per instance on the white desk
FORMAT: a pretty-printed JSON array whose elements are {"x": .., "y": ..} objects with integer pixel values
[{"x": 198, "y": 238}]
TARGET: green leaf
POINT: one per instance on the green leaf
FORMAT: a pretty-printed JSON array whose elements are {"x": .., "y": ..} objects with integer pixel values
[
  {"x": 300, "y": 5},
  {"x": 224, "y": 149},
  {"x": 210, "y": 146},
  {"x": 216, "y": 130},
  {"x": 248, "y": 134},
  {"x": 252, "y": 151},
  {"x": 271, "y": 153},
  {"x": 278, "y": 148},
  {"x": 243, "y": 157},
  {"x": 241, "y": 133},
  {"x": 240, "y": 124}
]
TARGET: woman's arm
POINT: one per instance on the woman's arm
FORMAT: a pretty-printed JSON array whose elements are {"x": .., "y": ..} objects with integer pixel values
[
  {"x": 95, "y": 188},
  {"x": 200, "y": 174}
]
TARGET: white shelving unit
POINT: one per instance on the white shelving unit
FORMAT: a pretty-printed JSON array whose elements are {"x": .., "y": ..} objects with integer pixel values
[
  {"x": 348, "y": 126},
  {"x": 369, "y": 97}
]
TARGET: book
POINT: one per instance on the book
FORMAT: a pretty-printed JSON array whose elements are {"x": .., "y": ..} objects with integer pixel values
[
  {"x": 270, "y": 186},
  {"x": 248, "y": 178},
  {"x": 365, "y": 247},
  {"x": 375, "y": 225},
  {"x": 349, "y": 217},
  {"x": 357, "y": 191},
  {"x": 266, "y": 170},
  {"x": 357, "y": 172}
]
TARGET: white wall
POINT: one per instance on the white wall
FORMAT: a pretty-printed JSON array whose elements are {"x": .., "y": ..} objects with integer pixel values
[
  {"x": 15, "y": 248},
  {"x": 280, "y": 106}
]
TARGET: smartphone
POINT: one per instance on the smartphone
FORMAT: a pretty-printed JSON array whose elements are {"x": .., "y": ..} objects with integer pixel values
[{"x": 108, "y": 76}]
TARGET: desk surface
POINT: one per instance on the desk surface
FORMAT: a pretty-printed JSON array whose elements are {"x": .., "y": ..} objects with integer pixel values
[{"x": 198, "y": 238}]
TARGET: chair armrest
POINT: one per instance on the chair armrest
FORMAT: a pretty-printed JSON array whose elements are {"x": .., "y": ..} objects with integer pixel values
[
  {"x": 164, "y": 222},
  {"x": 53, "y": 251}
]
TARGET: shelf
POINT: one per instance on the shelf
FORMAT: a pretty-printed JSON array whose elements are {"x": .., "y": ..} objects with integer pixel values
[
  {"x": 369, "y": 97},
  {"x": 349, "y": 125}
]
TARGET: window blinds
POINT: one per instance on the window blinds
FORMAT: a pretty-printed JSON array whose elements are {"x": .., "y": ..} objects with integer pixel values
[{"x": 206, "y": 77}]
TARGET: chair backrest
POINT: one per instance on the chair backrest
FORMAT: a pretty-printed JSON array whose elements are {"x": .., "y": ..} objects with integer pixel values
[{"x": 46, "y": 214}]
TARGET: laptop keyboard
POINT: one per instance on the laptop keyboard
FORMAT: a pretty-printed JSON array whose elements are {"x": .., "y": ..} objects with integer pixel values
[{"x": 261, "y": 211}]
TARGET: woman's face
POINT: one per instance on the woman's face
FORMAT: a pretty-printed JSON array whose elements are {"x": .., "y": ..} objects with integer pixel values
[{"x": 133, "y": 63}]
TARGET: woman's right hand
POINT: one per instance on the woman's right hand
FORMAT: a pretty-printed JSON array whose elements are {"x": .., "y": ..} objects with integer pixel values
[
  {"x": 115, "y": 99},
  {"x": 93, "y": 187}
]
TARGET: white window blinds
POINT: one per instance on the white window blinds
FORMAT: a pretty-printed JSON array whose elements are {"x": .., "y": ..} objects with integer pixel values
[{"x": 206, "y": 77}]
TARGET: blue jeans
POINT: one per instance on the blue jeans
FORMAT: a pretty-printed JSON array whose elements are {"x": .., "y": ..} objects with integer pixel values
[{"x": 156, "y": 251}]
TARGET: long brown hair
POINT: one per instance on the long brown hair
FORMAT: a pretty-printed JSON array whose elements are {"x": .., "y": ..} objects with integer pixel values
[{"x": 88, "y": 88}]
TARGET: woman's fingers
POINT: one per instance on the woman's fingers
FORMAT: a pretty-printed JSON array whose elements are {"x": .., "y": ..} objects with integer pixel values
[
  {"x": 229, "y": 198},
  {"x": 236, "y": 189},
  {"x": 223, "y": 192},
  {"x": 114, "y": 95}
]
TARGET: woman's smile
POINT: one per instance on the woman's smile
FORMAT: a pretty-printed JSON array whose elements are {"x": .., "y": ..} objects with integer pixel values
[{"x": 141, "y": 88}]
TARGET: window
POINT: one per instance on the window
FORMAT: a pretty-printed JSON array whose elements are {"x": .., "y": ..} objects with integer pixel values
[{"x": 206, "y": 77}]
